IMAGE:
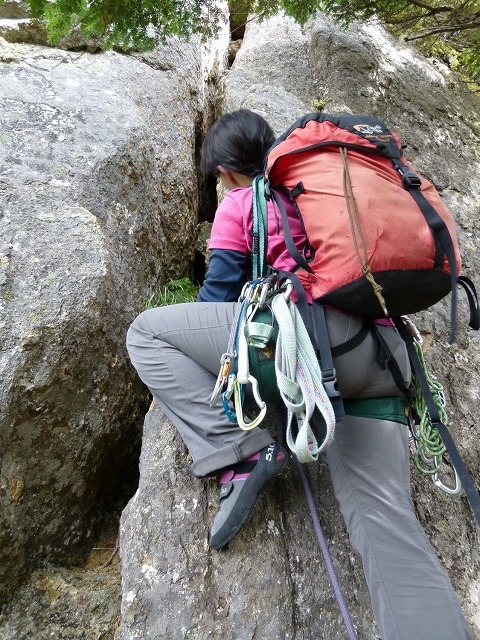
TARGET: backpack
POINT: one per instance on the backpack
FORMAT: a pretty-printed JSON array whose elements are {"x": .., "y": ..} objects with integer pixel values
[{"x": 382, "y": 242}]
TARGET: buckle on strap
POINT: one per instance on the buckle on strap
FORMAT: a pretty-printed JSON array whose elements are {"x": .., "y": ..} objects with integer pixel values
[
  {"x": 410, "y": 179},
  {"x": 329, "y": 381}
]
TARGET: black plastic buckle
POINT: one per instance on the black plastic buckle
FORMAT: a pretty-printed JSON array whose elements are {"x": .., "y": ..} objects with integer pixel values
[
  {"x": 329, "y": 381},
  {"x": 409, "y": 178}
]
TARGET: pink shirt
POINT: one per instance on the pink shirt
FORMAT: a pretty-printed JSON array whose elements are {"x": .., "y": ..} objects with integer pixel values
[{"x": 232, "y": 228}]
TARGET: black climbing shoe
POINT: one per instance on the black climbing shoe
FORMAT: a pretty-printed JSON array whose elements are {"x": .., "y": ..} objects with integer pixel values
[{"x": 240, "y": 487}]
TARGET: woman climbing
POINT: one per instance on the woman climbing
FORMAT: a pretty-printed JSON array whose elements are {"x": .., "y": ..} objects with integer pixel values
[{"x": 176, "y": 351}]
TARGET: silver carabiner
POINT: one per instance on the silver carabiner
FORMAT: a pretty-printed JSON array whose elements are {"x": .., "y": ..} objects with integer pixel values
[
  {"x": 230, "y": 386},
  {"x": 442, "y": 398},
  {"x": 438, "y": 483},
  {"x": 245, "y": 289},
  {"x": 262, "y": 300}
]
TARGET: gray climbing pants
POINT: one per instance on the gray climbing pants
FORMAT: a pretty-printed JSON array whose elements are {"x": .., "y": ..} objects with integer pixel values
[{"x": 176, "y": 351}]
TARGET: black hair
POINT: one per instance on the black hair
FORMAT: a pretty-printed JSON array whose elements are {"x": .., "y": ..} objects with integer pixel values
[{"x": 238, "y": 141}]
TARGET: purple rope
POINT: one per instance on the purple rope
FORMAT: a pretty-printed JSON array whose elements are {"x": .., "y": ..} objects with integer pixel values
[
  {"x": 352, "y": 634},
  {"x": 326, "y": 554}
]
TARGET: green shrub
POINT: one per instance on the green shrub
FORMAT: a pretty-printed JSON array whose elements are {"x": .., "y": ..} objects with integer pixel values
[{"x": 173, "y": 292}]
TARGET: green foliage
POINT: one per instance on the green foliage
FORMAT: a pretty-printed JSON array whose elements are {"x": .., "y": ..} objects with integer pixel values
[
  {"x": 173, "y": 292},
  {"x": 449, "y": 29},
  {"x": 261, "y": 9},
  {"x": 239, "y": 12},
  {"x": 318, "y": 105},
  {"x": 127, "y": 23},
  {"x": 468, "y": 61}
]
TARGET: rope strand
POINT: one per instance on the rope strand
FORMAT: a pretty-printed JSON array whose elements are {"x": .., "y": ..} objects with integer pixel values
[
  {"x": 430, "y": 444},
  {"x": 356, "y": 230}
]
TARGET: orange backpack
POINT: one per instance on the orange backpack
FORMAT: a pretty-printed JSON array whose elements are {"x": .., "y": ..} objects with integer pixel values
[{"x": 383, "y": 243}]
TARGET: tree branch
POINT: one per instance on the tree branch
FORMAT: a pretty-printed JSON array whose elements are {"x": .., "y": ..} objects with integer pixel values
[
  {"x": 431, "y": 10},
  {"x": 458, "y": 27}
]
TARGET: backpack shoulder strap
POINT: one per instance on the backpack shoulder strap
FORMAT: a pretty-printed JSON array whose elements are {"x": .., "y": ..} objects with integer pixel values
[{"x": 259, "y": 229}]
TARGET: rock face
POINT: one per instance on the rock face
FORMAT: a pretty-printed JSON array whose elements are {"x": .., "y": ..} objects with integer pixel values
[
  {"x": 272, "y": 582},
  {"x": 98, "y": 193},
  {"x": 98, "y": 207}
]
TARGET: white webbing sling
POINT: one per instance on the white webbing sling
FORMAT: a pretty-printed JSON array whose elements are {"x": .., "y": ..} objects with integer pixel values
[{"x": 299, "y": 381}]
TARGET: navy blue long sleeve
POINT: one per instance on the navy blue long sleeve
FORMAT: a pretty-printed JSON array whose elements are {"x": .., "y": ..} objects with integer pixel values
[{"x": 227, "y": 272}]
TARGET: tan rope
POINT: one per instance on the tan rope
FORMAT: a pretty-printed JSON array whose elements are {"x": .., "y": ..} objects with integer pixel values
[{"x": 356, "y": 230}]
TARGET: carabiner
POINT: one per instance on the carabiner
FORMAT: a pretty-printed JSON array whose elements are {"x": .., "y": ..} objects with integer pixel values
[
  {"x": 451, "y": 491},
  {"x": 288, "y": 290},
  {"x": 414, "y": 332},
  {"x": 243, "y": 293},
  {"x": 413, "y": 427},
  {"x": 247, "y": 426},
  {"x": 248, "y": 290},
  {"x": 442, "y": 398},
  {"x": 264, "y": 289},
  {"x": 225, "y": 364},
  {"x": 230, "y": 386}
]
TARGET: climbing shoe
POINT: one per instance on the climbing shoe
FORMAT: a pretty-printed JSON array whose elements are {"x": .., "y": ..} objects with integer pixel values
[{"x": 240, "y": 487}]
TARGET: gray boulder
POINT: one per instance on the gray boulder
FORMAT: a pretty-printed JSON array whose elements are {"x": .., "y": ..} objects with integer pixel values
[
  {"x": 272, "y": 582},
  {"x": 13, "y": 10},
  {"x": 98, "y": 194}
]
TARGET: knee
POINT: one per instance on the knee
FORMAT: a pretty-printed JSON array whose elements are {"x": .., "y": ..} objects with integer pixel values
[
  {"x": 138, "y": 333},
  {"x": 146, "y": 329}
]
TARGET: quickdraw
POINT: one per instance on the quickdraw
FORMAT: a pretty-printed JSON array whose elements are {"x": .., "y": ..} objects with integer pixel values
[{"x": 234, "y": 375}]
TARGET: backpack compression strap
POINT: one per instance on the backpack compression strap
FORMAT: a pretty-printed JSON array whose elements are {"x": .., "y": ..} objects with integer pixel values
[
  {"x": 439, "y": 229},
  {"x": 465, "y": 478},
  {"x": 471, "y": 292},
  {"x": 287, "y": 234}
]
